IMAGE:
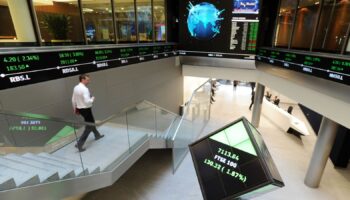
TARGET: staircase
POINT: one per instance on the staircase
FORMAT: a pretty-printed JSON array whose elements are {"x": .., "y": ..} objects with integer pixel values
[
  {"x": 47, "y": 165},
  {"x": 19, "y": 170},
  {"x": 127, "y": 138}
]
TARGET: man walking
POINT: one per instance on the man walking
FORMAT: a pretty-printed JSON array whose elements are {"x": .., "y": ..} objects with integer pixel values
[
  {"x": 252, "y": 100},
  {"x": 82, "y": 103}
]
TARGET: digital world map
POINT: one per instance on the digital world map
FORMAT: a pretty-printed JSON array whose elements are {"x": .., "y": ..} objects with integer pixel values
[{"x": 204, "y": 20}]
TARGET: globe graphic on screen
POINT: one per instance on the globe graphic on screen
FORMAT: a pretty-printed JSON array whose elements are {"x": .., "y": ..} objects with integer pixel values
[{"x": 203, "y": 21}]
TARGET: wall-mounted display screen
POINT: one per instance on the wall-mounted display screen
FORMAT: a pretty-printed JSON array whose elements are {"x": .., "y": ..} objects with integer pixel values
[
  {"x": 335, "y": 69},
  {"x": 28, "y": 68},
  {"x": 234, "y": 162},
  {"x": 246, "y": 6},
  {"x": 224, "y": 28}
]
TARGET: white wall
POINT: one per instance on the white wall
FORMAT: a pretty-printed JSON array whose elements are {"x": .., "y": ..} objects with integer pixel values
[
  {"x": 157, "y": 81},
  {"x": 190, "y": 84}
]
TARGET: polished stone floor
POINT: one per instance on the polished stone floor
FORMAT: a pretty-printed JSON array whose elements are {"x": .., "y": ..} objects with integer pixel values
[{"x": 151, "y": 177}]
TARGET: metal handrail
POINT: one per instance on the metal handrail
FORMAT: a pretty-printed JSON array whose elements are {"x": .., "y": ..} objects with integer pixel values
[{"x": 188, "y": 104}]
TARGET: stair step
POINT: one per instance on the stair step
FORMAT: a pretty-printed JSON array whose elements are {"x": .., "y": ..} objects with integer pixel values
[
  {"x": 62, "y": 172},
  {"x": 73, "y": 166},
  {"x": 78, "y": 171},
  {"x": 6, "y": 182},
  {"x": 44, "y": 175},
  {"x": 20, "y": 177},
  {"x": 93, "y": 169}
]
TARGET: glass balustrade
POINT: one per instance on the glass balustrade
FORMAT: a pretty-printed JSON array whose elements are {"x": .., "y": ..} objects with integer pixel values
[
  {"x": 165, "y": 120},
  {"x": 158, "y": 120},
  {"x": 37, "y": 149},
  {"x": 28, "y": 146},
  {"x": 195, "y": 116}
]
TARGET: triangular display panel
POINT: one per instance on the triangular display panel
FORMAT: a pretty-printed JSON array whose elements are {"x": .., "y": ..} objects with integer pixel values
[{"x": 234, "y": 162}]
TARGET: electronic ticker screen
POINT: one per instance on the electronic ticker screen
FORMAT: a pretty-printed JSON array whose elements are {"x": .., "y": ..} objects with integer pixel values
[
  {"x": 18, "y": 69},
  {"x": 234, "y": 162},
  {"x": 335, "y": 69},
  {"x": 224, "y": 28}
]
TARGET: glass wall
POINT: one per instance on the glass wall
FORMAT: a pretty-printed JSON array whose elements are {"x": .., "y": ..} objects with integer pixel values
[
  {"x": 159, "y": 20},
  {"x": 325, "y": 19},
  {"x": 333, "y": 26},
  {"x": 323, "y": 24},
  {"x": 125, "y": 20},
  {"x": 70, "y": 22},
  {"x": 285, "y": 19},
  {"x": 144, "y": 20},
  {"x": 305, "y": 24},
  {"x": 98, "y": 20},
  {"x": 339, "y": 26},
  {"x": 9, "y": 32},
  {"x": 59, "y": 21},
  {"x": 16, "y": 23}
]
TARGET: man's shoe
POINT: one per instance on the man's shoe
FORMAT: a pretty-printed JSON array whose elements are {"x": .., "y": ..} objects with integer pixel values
[
  {"x": 99, "y": 137},
  {"x": 81, "y": 149}
]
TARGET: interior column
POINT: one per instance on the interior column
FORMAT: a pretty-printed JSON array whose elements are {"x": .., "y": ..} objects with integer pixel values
[{"x": 323, "y": 147}]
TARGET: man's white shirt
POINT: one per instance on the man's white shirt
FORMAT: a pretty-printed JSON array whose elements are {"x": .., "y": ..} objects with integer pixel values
[{"x": 81, "y": 97}]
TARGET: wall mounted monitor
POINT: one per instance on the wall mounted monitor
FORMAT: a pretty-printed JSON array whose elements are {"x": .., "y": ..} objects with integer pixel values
[
  {"x": 219, "y": 28},
  {"x": 334, "y": 68},
  {"x": 234, "y": 162},
  {"x": 24, "y": 68}
]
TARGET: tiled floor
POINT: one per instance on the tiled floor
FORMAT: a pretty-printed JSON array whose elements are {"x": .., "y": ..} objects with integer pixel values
[{"x": 151, "y": 177}]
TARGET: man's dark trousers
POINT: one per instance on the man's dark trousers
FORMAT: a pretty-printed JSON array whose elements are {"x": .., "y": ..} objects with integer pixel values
[{"x": 88, "y": 117}]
